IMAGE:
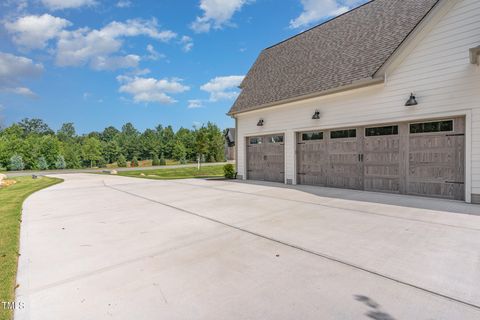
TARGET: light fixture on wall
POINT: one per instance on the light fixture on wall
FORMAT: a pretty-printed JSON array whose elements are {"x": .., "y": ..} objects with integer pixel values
[
  {"x": 316, "y": 115},
  {"x": 260, "y": 123},
  {"x": 412, "y": 101}
]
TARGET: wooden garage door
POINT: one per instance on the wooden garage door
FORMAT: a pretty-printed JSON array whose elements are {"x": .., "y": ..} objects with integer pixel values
[
  {"x": 344, "y": 155},
  {"x": 312, "y": 158},
  {"x": 436, "y": 159},
  {"x": 382, "y": 158},
  {"x": 422, "y": 158},
  {"x": 330, "y": 158},
  {"x": 266, "y": 158}
]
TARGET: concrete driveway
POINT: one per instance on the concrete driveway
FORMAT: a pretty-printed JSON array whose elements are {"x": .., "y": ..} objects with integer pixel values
[{"x": 107, "y": 247}]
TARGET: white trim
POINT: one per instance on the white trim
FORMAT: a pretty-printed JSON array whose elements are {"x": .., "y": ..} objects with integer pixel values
[
  {"x": 418, "y": 117},
  {"x": 287, "y": 104}
]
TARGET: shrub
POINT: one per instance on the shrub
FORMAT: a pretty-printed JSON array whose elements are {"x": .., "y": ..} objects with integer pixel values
[
  {"x": 42, "y": 163},
  {"x": 121, "y": 161},
  {"x": 183, "y": 161},
  {"x": 162, "y": 160},
  {"x": 60, "y": 163},
  {"x": 134, "y": 162},
  {"x": 16, "y": 162},
  {"x": 101, "y": 163},
  {"x": 211, "y": 158},
  {"x": 155, "y": 161},
  {"x": 229, "y": 171}
]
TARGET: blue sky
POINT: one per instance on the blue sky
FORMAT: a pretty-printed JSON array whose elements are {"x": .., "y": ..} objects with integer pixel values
[{"x": 106, "y": 62}]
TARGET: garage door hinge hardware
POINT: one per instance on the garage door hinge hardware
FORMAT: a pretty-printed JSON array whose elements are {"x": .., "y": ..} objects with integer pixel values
[
  {"x": 455, "y": 135},
  {"x": 454, "y": 182},
  {"x": 301, "y": 143},
  {"x": 301, "y": 174},
  {"x": 282, "y": 172}
]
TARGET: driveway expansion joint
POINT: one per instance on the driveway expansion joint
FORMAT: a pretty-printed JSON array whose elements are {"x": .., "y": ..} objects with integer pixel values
[{"x": 305, "y": 250}]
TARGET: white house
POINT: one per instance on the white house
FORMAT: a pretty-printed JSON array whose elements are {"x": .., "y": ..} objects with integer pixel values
[{"x": 385, "y": 97}]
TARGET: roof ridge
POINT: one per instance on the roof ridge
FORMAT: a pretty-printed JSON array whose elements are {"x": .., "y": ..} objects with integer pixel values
[{"x": 319, "y": 25}]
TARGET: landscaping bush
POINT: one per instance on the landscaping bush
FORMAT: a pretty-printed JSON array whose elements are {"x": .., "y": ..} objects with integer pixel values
[
  {"x": 162, "y": 160},
  {"x": 60, "y": 163},
  {"x": 16, "y": 163},
  {"x": 42, "y": 163},
  {"x": 229, "y": 171},
  {"x": 101, "y": 163},
  {"x": 134, "y": 162},
  {"x": 155, "y": 161},
  {"x": 121, "y": 161}
]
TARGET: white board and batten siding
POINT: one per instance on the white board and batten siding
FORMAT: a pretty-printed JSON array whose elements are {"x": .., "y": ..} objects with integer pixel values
[{"x": 437, "y": 69}]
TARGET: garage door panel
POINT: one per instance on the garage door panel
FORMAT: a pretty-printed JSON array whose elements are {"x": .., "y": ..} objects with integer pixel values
[
  {"x": 312, "y": 159},
  {"x": 423, "y": 158},
  {"x": 436, "y": 160},
  {"x": 345, "y": 170},
  {"x": 266, "y": 158},
  {"x": 436, "y": 189},
  {"x": 382, "y": 184},
  {"x": 381, "y": 161}
]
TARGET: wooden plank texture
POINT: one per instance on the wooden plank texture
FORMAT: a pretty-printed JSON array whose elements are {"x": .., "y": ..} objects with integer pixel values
[
  {"x": 266, "y": 161},
  {"x": 427, "y": 164}
]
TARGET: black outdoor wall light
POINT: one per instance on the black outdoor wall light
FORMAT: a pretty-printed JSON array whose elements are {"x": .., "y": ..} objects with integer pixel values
[
  {"x": 260, "y": 123},
  {"x": 412, "y": 101},
  {"x": 316, "y": 115}
]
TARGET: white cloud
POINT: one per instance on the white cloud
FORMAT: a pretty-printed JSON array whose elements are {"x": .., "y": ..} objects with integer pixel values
[
  {"x": 195, "y": 104},
  {"x": 33, "y": 32},
  {"x": 153, "y": 54},
  {"x": 216, "y": 14},
  {"x": 115, "y": 62},
  {"x": 317, "y": 10},
  {"x": 14, "y": 6},
  {"x": 22, "y": 91},
  {"x": 95, "y": 47},
  {"x": 13, "y": 69},
  {"x": 124, "y": 4},
  {"x": 187, "y": 43},
  {"x": 223, "y": 88},
  {"x": 151, "y": 89},
  {"x": 67, "y": 4}
]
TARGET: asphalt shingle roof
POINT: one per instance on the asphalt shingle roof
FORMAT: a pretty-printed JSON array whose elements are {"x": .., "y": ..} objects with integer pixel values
[{"x": 339, "y": 52}]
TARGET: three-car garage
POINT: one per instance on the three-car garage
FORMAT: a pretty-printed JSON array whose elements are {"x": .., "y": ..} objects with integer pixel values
[{"x": 420, "y": 158}]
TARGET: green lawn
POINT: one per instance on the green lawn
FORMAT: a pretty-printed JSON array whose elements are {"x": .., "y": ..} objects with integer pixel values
[
  {"x": 11, "y": 200},
  {"x": 177, "y": 173}
]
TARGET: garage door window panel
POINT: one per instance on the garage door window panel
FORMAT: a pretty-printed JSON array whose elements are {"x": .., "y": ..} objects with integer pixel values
[
  {"x": 256, "y": 140},
  {"x": 312, "y": 136},
  {"x": 432, "y": 127},
  {"x": 381, "y": 131},
  {"x": 341, "y": 134},
  {"x": 276, "y": 139}
]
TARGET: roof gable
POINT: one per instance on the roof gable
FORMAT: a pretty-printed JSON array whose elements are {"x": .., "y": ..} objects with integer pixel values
[{"x": 337, "y": 53}]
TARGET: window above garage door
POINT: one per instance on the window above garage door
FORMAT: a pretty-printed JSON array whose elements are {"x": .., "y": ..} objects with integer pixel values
[
  {"x": 434, "y": 126},
  {"x": 381, "y": 131}
]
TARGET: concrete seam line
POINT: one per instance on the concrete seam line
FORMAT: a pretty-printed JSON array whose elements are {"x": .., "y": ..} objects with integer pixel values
[
  {"x": 324, "y": 256},
  {"x": 361, "y": 212}
]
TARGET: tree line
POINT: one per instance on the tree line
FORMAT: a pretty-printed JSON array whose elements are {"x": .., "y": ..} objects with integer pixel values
[{"x": 32, "y": 144}]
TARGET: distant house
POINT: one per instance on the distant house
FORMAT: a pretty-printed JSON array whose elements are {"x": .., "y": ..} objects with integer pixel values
[
  {"x": 230, "y": 144},
  {"x": 383, "y": 98}
]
